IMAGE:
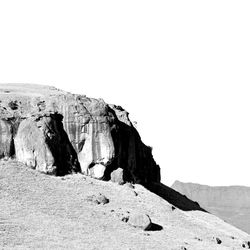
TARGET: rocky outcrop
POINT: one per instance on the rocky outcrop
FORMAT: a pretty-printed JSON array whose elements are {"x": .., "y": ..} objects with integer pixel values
[
  {"x": 42, "y": 143},
  {"x": 231, "y": 203},
  {"x": 88, "y": 124},
  {"x": 140, "y": 220},
  {"x": 6, "y": 145},
  {"x": 117, "y": 176},
  {"x": 57, "y": 132},
  {"x": 132, "y": 155}
]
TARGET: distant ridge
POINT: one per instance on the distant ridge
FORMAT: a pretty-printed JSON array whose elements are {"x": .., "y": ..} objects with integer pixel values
[{"x": 231, "y": 203}]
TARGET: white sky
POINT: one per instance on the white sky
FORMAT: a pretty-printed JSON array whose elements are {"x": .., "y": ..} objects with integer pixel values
[{"x": 181, "y": 68}]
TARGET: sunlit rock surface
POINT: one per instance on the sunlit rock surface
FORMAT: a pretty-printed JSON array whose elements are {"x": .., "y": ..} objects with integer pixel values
[
  {"x": 57, "y": 132},
  {"x": 42, "y": 143}
]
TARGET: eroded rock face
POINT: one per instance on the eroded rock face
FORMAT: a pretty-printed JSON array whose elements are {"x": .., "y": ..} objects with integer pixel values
[
  {"x": 32, "y": 149},
  {"x": 140, "y": 220},
  {"x": 132, "y": 154},
  {"x": 88, "y": 124},
  {"x": 42, "y": 144},
  {"x": 5, "y": 139},
  {"x": 117, "y": 176},
  {"x": 58, "y": 132},
  {"x": 95, "y": 146},
  {"x": 8, "y": 129}
]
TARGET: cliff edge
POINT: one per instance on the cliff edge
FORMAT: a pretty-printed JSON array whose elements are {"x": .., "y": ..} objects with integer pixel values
[{"x": 57, "y": 133}]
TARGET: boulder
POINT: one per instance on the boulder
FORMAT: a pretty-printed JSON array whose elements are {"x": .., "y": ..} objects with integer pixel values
[
  {"x": 97, "y": 199},
  {"x": 140, "y": 220},
  {"x": 117, "y": 176},
  {"x": 218, "y": 240}
]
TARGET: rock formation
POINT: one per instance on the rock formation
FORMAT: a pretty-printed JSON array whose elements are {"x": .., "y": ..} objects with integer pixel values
[
  {"x": 58, "y": 133},
  {"x": 6, "y": 138},
  {"x": 231, "y": 203},
  {"x": 142, "y": 221}
]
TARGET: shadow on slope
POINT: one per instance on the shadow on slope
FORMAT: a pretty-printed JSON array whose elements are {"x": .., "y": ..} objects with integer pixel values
[
  {"x": 138, "y": 164},
  {"x": 155, "y": 227},
  {"x": 175, "y": 198}
]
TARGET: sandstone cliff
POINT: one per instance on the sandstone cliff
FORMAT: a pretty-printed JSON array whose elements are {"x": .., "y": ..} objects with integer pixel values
[{"x": 57, "y": 132}]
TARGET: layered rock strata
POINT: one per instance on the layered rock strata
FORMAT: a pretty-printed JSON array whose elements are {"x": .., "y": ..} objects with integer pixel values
[{"x": 58, "y": 133}]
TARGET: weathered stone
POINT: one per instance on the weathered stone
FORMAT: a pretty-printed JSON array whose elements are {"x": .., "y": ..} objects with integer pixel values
[
  {"x": 132, "y": 154},
  {"x": 87, "y": 123},
  {"x": 97, "y": 171},
  {"x": 117, "y": 176},
  {"x": 97, "y": 199},
  {"x": 31, "y": 148},
  {"x": 218, "y": 240},
  {"x": 246, "y": 244},
  {"x": 68, "y": 132},
  {"x": 5, "y": 139},
  {"x": 41, "y": 143},
  {"x": 138, "y": 220}
]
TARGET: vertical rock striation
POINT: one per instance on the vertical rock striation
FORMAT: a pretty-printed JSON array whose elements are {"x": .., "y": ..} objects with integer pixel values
[
  {"x": 58, "y": 133},
  {"x": 87, "y": 123},
  {"x": 42, "y": 144},
  {"x": 132, "y": 155},
  {"x": 5, "y": 139}
]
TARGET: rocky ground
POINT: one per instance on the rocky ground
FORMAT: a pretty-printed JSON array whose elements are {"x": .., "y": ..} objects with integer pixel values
[{"x": 39, "y": 211}]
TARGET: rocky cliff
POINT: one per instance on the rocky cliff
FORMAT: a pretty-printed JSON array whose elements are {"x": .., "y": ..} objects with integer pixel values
[
  {"x": 231, "y": 203},
  {"x": 57, "y": 132}
]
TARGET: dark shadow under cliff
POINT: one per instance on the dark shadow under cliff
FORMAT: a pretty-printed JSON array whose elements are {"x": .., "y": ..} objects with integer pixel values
[
  {"x": 64, "y": 154},
  {"x": 136, "y": 160},
  {"x": 131, "y": 154}
]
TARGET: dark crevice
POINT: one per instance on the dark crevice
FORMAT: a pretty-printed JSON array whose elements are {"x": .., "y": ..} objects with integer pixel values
[
  {"x": 8, "y": 149},
  {"x": 131, "y": 154},
  {"x": 15, "y": 122},
  {"x": 64, "y": 154}
]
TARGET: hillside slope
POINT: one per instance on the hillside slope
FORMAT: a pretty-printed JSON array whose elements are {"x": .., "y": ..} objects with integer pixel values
[
  {"x": 231, "y": 203},
  {"x": 39, "y": 211}
]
